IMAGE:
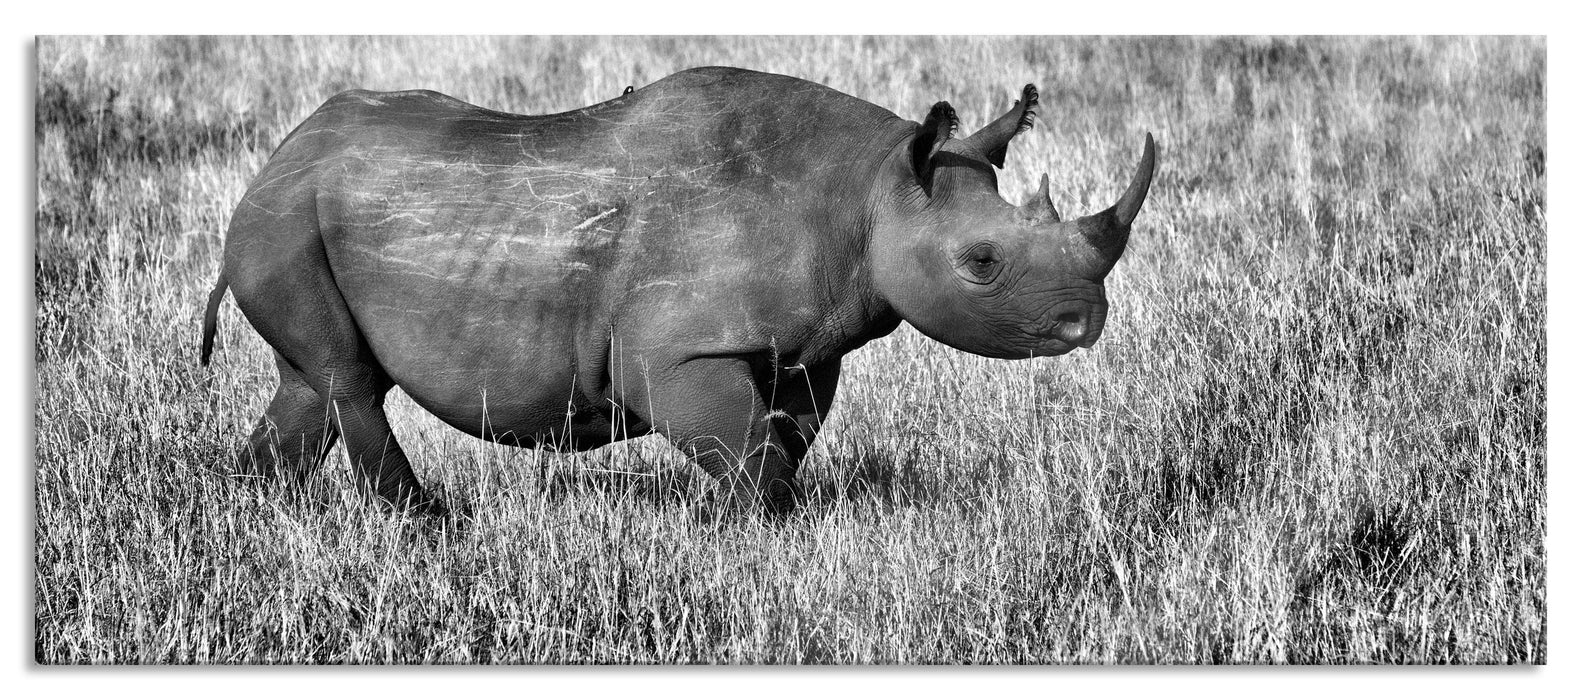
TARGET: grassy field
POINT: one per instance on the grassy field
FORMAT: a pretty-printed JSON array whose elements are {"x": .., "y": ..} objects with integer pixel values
[{"x": 1314, "y": 431}]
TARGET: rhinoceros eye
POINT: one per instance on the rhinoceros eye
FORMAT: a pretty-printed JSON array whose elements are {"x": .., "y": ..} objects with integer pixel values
[{"x": 980, "y": 262}]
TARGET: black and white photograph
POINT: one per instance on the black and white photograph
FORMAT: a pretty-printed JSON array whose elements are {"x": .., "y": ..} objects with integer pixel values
[{"x": 836, "y": 350}]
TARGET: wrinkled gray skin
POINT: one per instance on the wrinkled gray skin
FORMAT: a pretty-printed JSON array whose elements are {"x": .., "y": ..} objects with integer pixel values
[{"x": 692, "y": 258}]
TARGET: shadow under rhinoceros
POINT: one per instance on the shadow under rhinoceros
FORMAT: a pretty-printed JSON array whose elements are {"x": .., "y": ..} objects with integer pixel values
[
  {"x": 875, "y": 479},
  {"x": 649, "y": 485},
  {"x": 879, "y": 479}
]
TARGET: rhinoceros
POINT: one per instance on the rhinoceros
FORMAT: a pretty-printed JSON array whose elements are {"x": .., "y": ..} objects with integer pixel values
[{"x": 692, "y": 258}]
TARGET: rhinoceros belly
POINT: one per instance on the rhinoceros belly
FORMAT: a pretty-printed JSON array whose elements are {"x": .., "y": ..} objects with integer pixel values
[{"x": 488, "y": 333}]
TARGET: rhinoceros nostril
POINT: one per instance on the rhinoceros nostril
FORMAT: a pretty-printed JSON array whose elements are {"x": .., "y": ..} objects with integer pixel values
[{"x": 1071, "y": 326}]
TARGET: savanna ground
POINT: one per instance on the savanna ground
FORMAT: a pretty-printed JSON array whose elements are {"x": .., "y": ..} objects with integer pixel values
[{"x": 1314, "y": 431}]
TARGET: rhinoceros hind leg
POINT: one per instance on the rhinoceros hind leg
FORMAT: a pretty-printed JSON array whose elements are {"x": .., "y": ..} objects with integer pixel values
[
  {"x": 294, "y": 434},
  {"x": 372, "y": 448},
  {"x": 294, "y": 304}
]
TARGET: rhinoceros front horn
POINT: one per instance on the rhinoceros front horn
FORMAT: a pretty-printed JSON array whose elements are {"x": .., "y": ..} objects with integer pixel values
[
  {"x": 1126, "y": 209},
  {"x": 1109, "y": 229}
]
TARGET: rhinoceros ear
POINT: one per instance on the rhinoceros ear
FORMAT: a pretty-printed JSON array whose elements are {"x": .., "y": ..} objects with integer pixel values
[
  {"x": 993, "y": 139},
  {"x": 936, "y": 130}
]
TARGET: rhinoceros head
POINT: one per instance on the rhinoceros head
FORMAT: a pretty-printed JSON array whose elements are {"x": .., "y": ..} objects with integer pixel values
[{"x": 982, "y": 275}]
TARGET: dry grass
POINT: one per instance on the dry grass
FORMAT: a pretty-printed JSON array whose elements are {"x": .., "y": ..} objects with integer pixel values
[{"x": 1313, "y": 433}]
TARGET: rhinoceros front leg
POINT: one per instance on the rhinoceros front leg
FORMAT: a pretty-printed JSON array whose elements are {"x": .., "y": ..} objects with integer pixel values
[
  {"x": 799, "y": 401},
  {"x": 711, "y": 409}
]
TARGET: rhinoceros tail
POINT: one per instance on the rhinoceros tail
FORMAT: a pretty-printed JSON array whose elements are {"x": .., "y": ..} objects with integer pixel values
[{"x": 210, "y": 319}]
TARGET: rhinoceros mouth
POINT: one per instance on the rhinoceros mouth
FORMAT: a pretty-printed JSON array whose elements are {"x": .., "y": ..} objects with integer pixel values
[
  {"x": 1059, "y": 340},
  {"x": 1037, "y": 346},
  {"x": 1053, "y": 348}
]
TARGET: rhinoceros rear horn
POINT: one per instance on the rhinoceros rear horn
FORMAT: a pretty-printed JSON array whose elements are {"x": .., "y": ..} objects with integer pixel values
[
  {"x": 993, "y": 139},
  {"x": 1109, "y": 229},
  {"x": 1040, "y": 209},
  {"x": 937, "y": 128}
]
